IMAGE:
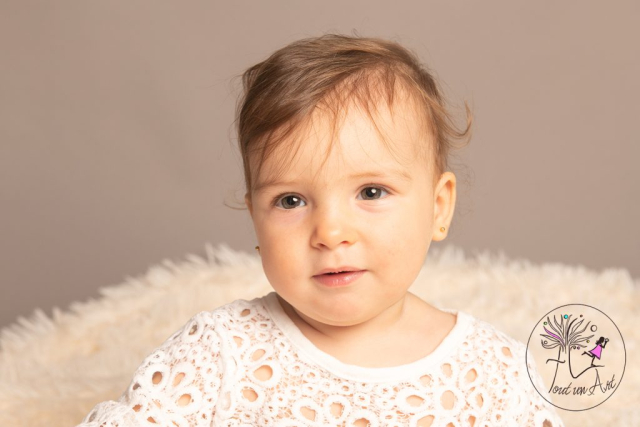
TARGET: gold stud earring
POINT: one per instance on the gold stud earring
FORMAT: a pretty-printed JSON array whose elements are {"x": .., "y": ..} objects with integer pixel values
[{"x": 442, "y": 229}]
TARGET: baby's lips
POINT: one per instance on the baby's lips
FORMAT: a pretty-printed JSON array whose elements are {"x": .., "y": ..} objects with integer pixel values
[{"x": 337, "y": 269}]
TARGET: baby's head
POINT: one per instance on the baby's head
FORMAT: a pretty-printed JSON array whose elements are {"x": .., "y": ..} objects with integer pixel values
[{"x": 344, "y": 142}]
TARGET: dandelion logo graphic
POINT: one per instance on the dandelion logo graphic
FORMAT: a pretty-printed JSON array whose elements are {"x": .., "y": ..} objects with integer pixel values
[{"x": 580, "y": 355}]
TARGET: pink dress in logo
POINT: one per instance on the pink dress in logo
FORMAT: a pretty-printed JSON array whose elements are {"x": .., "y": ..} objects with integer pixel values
[{"x": 596, "y": 351}]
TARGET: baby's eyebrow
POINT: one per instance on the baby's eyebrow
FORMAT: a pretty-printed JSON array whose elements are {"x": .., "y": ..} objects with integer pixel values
[{"x": 398, "y": 173}]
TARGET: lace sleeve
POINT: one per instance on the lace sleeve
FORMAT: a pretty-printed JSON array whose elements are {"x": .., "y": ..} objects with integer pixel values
[
  {"x": 177, "y": 384},
  {"x": 539, "y": 411}
]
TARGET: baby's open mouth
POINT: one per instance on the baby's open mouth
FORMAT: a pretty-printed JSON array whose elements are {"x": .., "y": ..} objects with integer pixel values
[
  {"x": 350, "y": 270},
  {"x": 342, "y": 272}
]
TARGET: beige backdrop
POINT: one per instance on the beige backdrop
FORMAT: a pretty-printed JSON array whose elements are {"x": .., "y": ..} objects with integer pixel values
[{"x": 117, "y": 145}]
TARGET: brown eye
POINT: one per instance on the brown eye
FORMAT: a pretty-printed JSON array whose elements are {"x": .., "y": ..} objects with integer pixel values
[
  {"x": 373, "y": 192},
  {"x": 286, "y": 200}
]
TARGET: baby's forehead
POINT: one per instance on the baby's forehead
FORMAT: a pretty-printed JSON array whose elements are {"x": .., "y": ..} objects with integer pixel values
[
  {"x": 350, "y": 136},
  {"x": 352, "y": 150},
  {"x": 403, "y": 110},
  {"x": 401, "y": 125},
  {"x": 344, "y": 161}
]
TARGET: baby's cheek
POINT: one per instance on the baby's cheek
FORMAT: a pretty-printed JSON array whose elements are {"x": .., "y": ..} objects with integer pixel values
[{"x": 404, "y": 254}]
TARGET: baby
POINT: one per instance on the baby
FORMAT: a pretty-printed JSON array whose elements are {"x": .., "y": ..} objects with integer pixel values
[{"x": 344, "y": 142}]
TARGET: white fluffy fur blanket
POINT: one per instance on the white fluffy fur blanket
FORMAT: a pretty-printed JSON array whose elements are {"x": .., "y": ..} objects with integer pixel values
[{"x": 53, "y": 371}]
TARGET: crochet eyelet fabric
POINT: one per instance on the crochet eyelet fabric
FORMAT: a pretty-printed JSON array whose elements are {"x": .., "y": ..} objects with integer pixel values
[{"x": 247, "y": 364}]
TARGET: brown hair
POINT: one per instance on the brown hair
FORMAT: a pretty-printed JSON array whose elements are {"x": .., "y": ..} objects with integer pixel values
[{"x": 332, "y": 70}]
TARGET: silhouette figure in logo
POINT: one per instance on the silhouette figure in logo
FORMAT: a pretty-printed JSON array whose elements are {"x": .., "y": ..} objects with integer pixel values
[{"x": 597, "y": 350}]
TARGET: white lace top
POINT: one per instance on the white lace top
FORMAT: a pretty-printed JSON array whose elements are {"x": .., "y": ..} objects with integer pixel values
[{"x": 247, "y": 364}]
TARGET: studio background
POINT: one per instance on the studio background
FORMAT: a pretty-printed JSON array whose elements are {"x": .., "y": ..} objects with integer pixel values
[{"x": 117, "y": 146}]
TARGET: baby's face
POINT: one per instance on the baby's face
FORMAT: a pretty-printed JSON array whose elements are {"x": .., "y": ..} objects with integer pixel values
[{"x": 383, "y": 224}]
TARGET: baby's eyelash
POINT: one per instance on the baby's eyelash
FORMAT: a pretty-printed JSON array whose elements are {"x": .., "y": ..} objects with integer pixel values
[{"x": 277, "y": 198}]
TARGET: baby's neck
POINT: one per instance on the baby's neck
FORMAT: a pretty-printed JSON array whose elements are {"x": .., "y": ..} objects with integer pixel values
[{"x": 419, "y": 329}]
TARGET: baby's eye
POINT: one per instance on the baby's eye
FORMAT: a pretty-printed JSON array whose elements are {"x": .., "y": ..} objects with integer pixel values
[{"x": 293, "y": 198}]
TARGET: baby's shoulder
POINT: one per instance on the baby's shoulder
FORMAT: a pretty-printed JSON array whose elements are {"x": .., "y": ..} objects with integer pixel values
[
  {"x": 234, "y": 315},
  {"x": 242, "y": 310},
  {"x": 495, "y": 356},
  {"x": 493, "y": 343},
  {"x": 496, "y": 366}
]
